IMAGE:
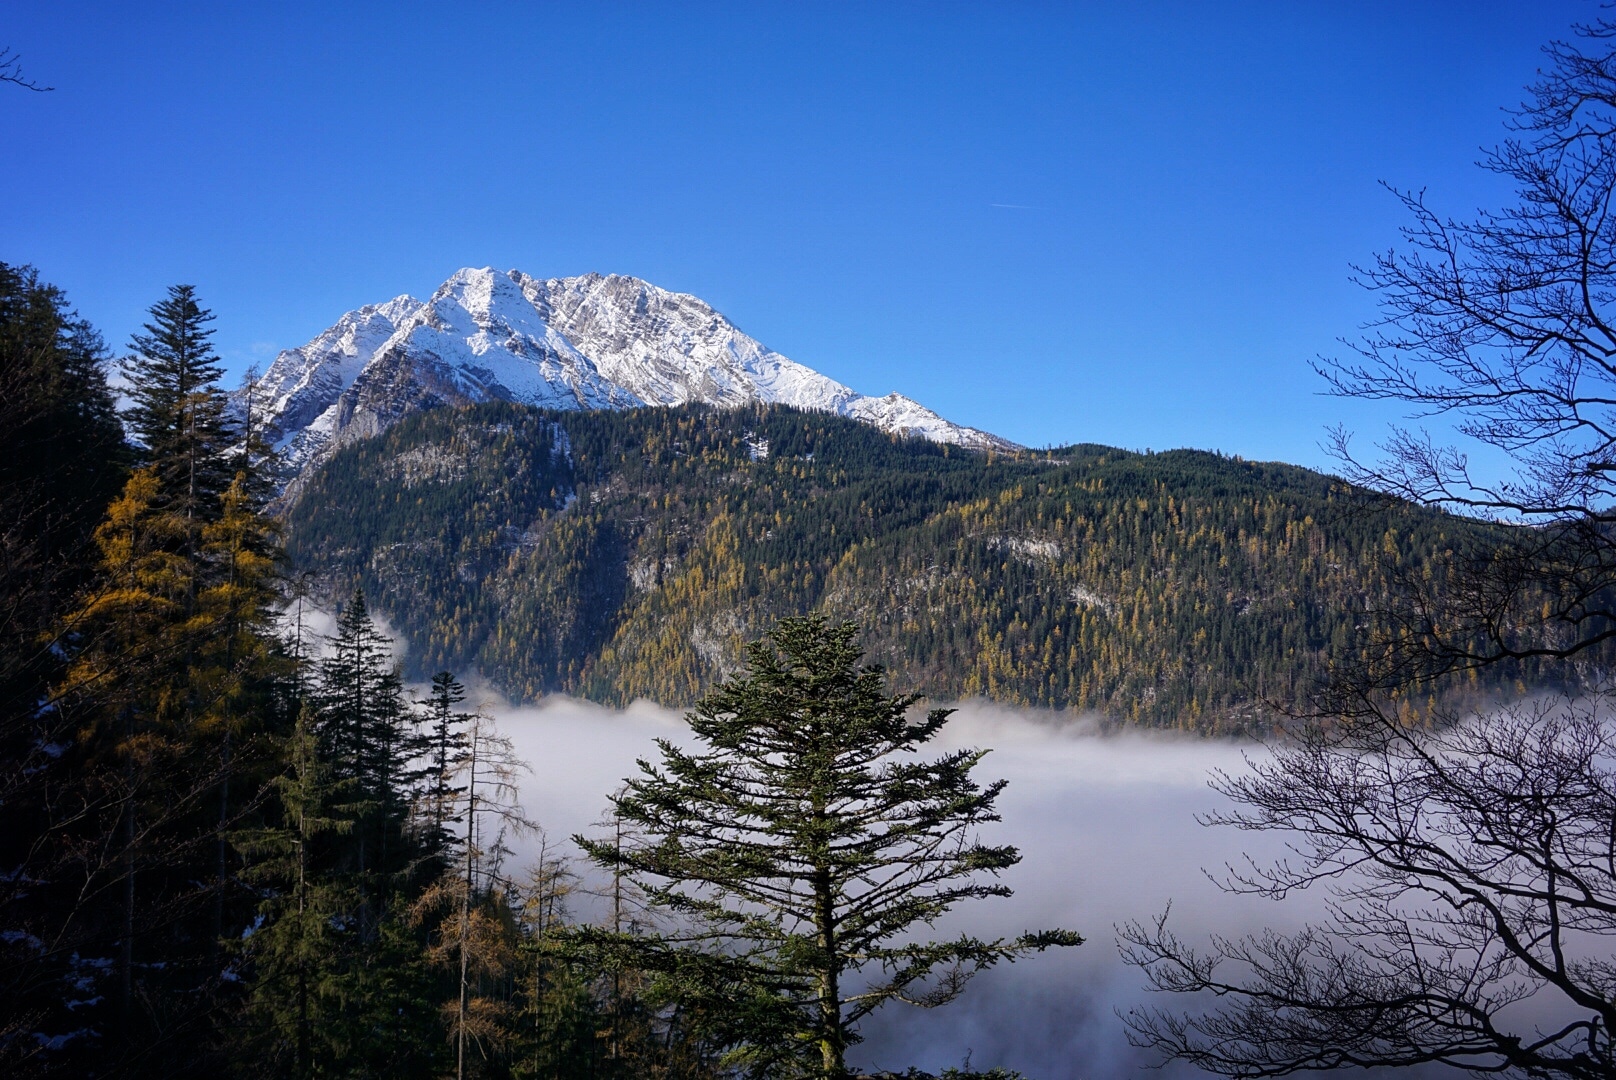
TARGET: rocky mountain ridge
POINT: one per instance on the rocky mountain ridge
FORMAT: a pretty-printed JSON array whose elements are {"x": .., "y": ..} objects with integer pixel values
[{"x": 589, "y": 342}]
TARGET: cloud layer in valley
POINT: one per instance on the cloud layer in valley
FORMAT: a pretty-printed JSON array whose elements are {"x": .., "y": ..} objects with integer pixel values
[{"x": 1107, "y": 830}]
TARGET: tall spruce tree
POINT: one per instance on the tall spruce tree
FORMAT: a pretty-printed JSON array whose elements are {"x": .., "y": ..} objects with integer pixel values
[
  {"x": 447, "y": 743},
  {"x": 805, "y": 842},
  {"x": 368, "y": 733},
  {"x": 213, "y": 481},
  {"x": 178, "y": 412},
  {"x": 127, "y": 668},
  {"x": 297, "y": 957}
]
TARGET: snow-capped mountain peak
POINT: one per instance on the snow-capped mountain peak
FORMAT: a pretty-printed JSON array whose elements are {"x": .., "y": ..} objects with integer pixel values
[
  {"x": 586, "y": 342},
  {"x": 301, "y": 383}
]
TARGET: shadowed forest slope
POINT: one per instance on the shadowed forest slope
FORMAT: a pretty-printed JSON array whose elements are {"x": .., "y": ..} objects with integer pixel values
[{"x": 617, "y": 555}]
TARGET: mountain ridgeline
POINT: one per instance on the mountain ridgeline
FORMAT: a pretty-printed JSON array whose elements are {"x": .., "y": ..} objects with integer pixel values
[
  {"x": 624, "y": 554},
  {"x": 587, "y": 342}
]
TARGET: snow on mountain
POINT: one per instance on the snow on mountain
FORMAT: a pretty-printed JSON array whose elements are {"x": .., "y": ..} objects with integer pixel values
[
  {"x": 672, "y": 348},
  {"x": 589, "y": 342},
  {"x": 302, "y": 385}
]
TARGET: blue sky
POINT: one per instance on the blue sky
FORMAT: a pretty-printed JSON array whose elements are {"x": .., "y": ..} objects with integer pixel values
[{"x": 1128, "y": 223}]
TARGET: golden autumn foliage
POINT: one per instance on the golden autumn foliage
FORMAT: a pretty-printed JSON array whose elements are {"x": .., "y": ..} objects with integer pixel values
[{"x": 629, "y": 554}]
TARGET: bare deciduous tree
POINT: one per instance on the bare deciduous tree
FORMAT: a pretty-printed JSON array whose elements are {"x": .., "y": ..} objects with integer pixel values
[
  {"x": 1503, "y": 324},
  {"x": 1471, "y": 864},
  {"x": 1473, "y": 880},
  {"x": 472, "y": 938}
]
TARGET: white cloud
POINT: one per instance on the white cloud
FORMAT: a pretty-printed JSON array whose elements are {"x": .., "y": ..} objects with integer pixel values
[{"x": 1106, "y": 826}]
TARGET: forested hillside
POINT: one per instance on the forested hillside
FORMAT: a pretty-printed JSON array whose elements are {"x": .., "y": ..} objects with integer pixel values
[
  {"x": 230, "y": 852},
  {"x": 618, "y": 555}
]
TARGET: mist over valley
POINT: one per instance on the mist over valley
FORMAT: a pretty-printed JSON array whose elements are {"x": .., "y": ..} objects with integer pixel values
[
  {"x": 1159, "y": 619},
  {"x": 1107, "y": 831}
]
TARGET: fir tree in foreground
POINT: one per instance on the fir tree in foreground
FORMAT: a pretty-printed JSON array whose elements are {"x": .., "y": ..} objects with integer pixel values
[
  {"x": 802, "y": 843},
  {"x": 178, "y": 410},
  {"x": 138, "y": 713}
]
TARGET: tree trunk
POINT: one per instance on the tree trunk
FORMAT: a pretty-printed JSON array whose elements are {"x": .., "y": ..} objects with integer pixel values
[
  {"x": 465, "y": 908},
  {"x": 831, "y": 1043},
  {"x": 302, "y": 956},
  {"x": 613, "y": 1044},
  {"x": 126, "y": 947},
  {"x": 221, "y": 846}
]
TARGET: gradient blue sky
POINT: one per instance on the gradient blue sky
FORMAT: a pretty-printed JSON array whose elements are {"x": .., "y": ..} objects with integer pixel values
[{"x": 1128, "y": 223}]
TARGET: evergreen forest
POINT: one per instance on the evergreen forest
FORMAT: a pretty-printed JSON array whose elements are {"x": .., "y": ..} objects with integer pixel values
[
  {"x": 235, "y": 847},
  {"x": 619, "y": 555},
  {"x": 231, "y": 849},
  {"x": 257, "y": 823},
  {"x": 238, "y": 847}
]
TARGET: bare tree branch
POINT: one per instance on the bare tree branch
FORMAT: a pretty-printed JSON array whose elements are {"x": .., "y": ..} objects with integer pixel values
[
  {"x": 1472, "y": 874},
  {"x": 1470, "y": 866},
  {"x": 11, "y": 72}
]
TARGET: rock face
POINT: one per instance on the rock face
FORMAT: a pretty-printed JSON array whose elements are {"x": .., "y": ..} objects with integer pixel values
[{"x": 588, "y": 342}]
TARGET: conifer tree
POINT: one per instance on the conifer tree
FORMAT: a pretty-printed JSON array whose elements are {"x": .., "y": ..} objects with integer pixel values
[
  {"x": 61, "y": 463},
  {"x": 114, "y": 694},
  {"x": 155, "y": 671},
  {"x": 141, "y": 778},
  {"x": 296, "y": 956},
  {"x": 561, "y": 1021},
  {"x": 476, "y": 939},
  {"x": 178, "y": 415},
  {"x": 340, "y": 984},
  {"x": 178, "y": 418},
  {"x": 559, "y": 1028},
  {"x": 236, "y": 662},
  {"x": 239, "y": 602},
  {"x": 253, "y": 458},
  {"x": 804, "y": 840},
  {"x": 163, "y": 683},
  {"x": 447, "y": 743},
  {"x": 367, "y": 733}
]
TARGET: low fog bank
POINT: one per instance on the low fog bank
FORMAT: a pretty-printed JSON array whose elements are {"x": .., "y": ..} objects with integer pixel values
[
  {"x": 1107, "y": 831},
  {"x": 1106, "y": 826}
]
